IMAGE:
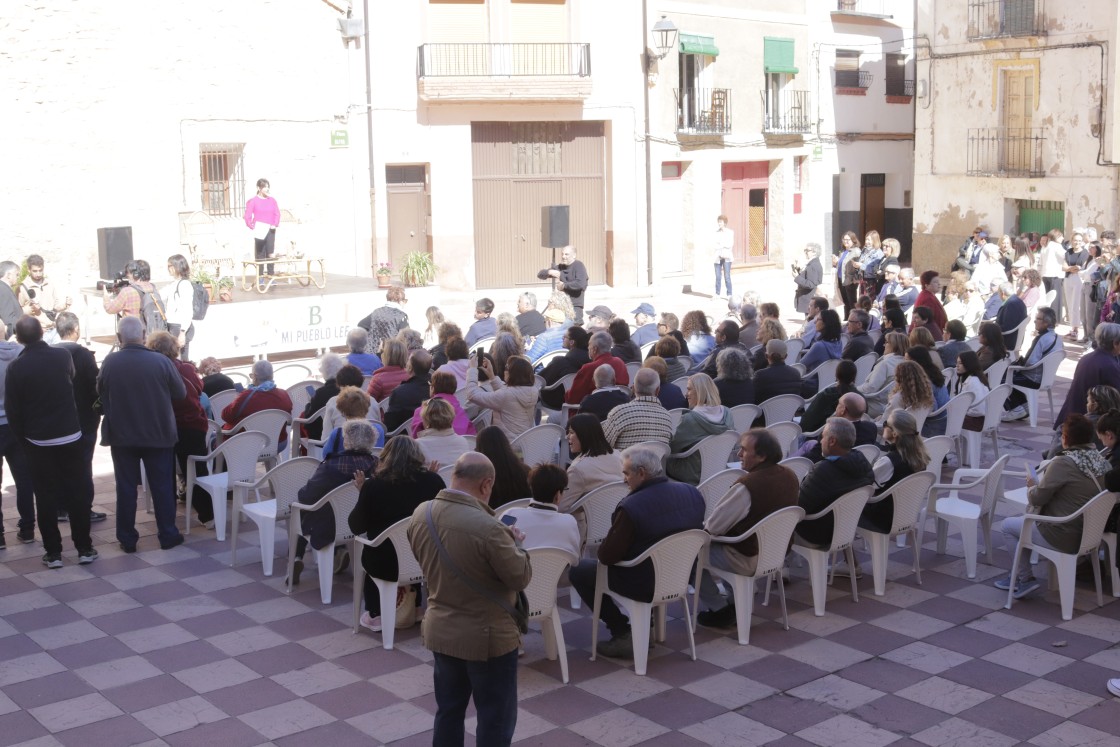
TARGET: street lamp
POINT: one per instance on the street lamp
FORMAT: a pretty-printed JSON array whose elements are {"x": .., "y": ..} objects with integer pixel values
[{"x": 665, "y": 34}]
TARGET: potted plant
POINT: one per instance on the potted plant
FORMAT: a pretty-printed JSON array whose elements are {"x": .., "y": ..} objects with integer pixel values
[
  {"x": 200, "y": 275},
  {"x": 225, "y": 288},
  {"x": 384, "y": 274},
  {"x": 419, "y": 269}
]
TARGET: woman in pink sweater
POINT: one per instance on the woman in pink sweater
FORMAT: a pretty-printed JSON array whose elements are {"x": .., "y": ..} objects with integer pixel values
[{"x": 262, "y": 216}]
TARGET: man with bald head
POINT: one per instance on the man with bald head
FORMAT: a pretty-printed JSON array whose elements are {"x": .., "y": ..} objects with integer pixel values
[
  {"x": 607, "y": 395},
  {"x": 136, "y": 386},
  {"x": 474, "y": 566},
  {"x": 852, "y": 408},
  {"x": 43, "y": 416}
]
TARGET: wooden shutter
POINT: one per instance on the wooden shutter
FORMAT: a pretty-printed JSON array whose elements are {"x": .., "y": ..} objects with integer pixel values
[{"x": 457, "y": 21}]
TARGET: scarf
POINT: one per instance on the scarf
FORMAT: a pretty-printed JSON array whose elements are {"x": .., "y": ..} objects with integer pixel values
[
  {"x": 266, "y": 386},
  {"x": 1090, "y": 461}
]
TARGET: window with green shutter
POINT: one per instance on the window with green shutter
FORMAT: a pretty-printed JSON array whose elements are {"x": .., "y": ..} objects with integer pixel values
[
  {"x": 698, "y": 44},
  {"x": 777, "y": 55}
]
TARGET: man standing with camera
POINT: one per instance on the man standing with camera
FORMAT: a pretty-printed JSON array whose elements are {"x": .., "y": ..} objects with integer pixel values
[{"x": 126, "y": 297}]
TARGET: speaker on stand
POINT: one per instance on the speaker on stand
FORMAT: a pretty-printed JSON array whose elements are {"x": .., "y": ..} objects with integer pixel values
[
  {"x": 114, "y": 250},
  {"x": 554, "y": 230}
]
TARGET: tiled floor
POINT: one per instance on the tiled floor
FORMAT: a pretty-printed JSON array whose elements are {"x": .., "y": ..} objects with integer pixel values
[{"x": 177, "y": 648}]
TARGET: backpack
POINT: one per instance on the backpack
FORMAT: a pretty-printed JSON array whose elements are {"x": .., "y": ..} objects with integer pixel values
[
  {"x": 151, "y": 311},
  {"x": 201, "y": 301}
]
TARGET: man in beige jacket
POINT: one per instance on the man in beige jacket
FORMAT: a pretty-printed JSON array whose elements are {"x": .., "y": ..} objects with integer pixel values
[{"x": 471, "y": 583}]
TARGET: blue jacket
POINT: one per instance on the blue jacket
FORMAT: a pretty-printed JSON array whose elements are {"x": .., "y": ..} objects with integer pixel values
[{"x": 136, "y": 386}]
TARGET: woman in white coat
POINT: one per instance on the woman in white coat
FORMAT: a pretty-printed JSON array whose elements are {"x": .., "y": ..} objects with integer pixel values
[{"x": 178, "y": 302}]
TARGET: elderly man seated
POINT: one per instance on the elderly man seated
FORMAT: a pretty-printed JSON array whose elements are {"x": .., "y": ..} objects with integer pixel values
[
  {"x": 655, "y": 508},
  {"x": 766, "y": 488},
  {"x": 642, "y": 419},
  {"x": 357, "y": 340},
  {"x": 262, "y": 394},
  {"x": 851, "y": 407},
  {"x": 606, "y": 396},
  {"x": 841, "y": 471}
]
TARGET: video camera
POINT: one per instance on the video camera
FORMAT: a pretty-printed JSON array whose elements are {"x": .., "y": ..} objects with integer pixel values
[{"x": 119, "y": 281}]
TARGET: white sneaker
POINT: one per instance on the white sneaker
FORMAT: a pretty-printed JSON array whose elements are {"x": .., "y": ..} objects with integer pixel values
[
  {"x": 370, "y": 623},
  {"x": 1113, "y": 686},
  {"x": 1015, "y": 413}
]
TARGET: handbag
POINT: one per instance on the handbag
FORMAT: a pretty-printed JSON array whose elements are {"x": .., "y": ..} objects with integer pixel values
[
  {"x": 519, "y": 611},
  {"x": 406, "y": 607}
]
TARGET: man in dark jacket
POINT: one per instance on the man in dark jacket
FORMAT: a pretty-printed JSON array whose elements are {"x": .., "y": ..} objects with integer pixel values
[
  {"x": 859, "y": 342},
  {"x": 1010, "y": 315},
  {"x": 606, "y": 396},
  {"x": 807, "y": 279},
  {"x": 655, "y": 508},
  {"x": 85, "y": 393},
  {"x": 777, "y": 378},
  {"x": 727, "y": 336},
  {"x": 529, "y": 321},
  {"x": 575, "y": 342},
  {"x": 842, "y": 471},
  {"x": 10, "y": 310},
  {"x": 136, "y": 386},
  {"x": 411, "y": 392},
  {"x": 39, "y": 399},
  {"x": 571, "y": 276},
  {"x": 850, "y": 407}
]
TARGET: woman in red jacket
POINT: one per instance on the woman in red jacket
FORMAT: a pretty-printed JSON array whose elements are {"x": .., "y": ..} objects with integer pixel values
[
  {"x": 262, "y": 394},
  {"x": 931, "y": 286}
]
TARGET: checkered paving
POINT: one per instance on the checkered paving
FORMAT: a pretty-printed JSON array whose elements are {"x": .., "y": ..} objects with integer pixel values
[{"x": 177, "y": 648}]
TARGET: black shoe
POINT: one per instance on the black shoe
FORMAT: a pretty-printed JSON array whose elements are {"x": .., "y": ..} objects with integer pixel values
[
  {"x": 85, "y": 557},
  {"x": 63, "y": 516},
  {"x": 26, "y": 536},
  {"x": 297, "y": 569},
  {"x": 172, "y": 544},
  {"x": 52, "y": 561},
  {"x": 128, "y": 548},
  {"x": 96, "y": 516},
  {"x": 618, "y": 647},
  {"x": 723, "y": 618},
  {"x": 3, "y": 542}
]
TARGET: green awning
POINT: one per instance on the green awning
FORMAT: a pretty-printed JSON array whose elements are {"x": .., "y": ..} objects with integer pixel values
[
  {"x": 697, "y": 44},
  {"x": 777, "y": 55}
]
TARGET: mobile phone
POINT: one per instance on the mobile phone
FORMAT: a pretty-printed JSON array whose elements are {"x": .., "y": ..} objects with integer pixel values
[
  {"x": 479, "y": 352},
  {"x": 508, "y": 520},
  {"x": 1032, "y": 472},
  {"x": 310, "y": 390}
]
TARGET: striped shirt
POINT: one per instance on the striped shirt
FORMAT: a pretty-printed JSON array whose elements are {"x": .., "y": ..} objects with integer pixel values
[{"x": 642, "y": 419}]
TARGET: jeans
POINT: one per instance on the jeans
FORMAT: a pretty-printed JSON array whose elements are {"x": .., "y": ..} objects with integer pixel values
[
  {"x": 61, "y": 475},
  {"x": 159, "y": 463},
  {"x": 493, "y": 683},
  {"x": 1017, "y": 398},
  {"x": 1012, "y": 528},
  {"x": 1055, "y": 284},
  {"x": 12, "y": 450},
  {"x": 725, "y": 265},
  {"x": 718, "y": 557}
]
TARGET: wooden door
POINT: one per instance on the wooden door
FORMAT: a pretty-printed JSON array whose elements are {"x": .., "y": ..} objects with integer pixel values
[
  {"x": 1018, "y": 110},
  {"x": 744, "y": 203},
  {"x": 872, "y": 197},
  {"x": 407, "y": 221}
]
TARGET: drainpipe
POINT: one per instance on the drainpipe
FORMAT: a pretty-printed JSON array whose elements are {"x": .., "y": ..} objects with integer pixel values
[
  {"x": 369, "y": 149},
  {"x": 645, "y": 140}
]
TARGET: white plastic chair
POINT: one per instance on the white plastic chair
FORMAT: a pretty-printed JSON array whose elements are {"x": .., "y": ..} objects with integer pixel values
[
  {"x": 955, "y": 411},
  {"x": 284, "y": 481},
  {"x": 673, "y": 558},
  {"x": 538, "y": 444},
  {"x": 938, "y": 447},
  {"x": 632, "y": 369},
  {"x": 716, "y": 486},
  {"x": 547, "y": 358},
  {"x": 793, "y": 348},
  {"x": 714, "y": 452},
  {"x": 786, "y": 432},
  {"x": 549, "y": 564},
  {"x": 799, "y": 368},
  {"x": 563, "y": 383},
  {"x": 445, "y": 472},
  {"x": 909, "y": 495},
  {"x": 993, "y": 415},
  {"x": 780, "y": 408},
  {"x": 1049, "y": 365},
  {"x": 864, "y": 364},
  {"x": 240, "y": 453},
  {"x": 801, "y": 466},
  {"x": 645, "y": 349},
  {"x": 966, "y": 516},
  {"x": 870, "y": 452},
  {"x": 1021, "y": 335},
  {"x": 675, "y": 416},
  {"x": 408, "y": 573},
  {"x": 598, "y": 506},
  {"x": 1093, "y": 515},
  {"x": 483, "y": 343},
  {"x": 845, "y": 512},
  {"x": 300, "y": 396},
  {"x": 290, "y": 371},
  {"x": 997, "y": 372},
  {"x": 268, "y": 422},
  {"x": 681, "y": 383},
  {"x": 220, "y": 401},
  {"x": 773, "y": 534},
  {"x": 342, "y": 500},
  {"x": 313, "y": 447},
  {"x": 511, "y": 505},
  {"x": 825, "y": 373},
  {"x": 1108, "y": 539},
  {"x": 743, "y": 416}
]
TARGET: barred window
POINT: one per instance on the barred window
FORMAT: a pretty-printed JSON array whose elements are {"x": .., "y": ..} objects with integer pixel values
[{"x": 222, "y": 173}]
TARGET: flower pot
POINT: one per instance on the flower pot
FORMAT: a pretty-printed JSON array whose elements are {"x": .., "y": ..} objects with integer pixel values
[
  {"x": 225, "y": 294},
  {"x": 384, "y": 281},
  {"x": 209, "y": 290}
]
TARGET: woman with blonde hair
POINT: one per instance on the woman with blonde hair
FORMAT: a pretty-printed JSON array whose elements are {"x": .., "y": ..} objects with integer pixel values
[
  {"x": 1024, "y": 259},
  {"x": 438, "y": 440},
  {"x": 912, "y": 392},
  {"x": 435, "y": 321},
  {"x": 706, "y": 417},
  {"x": 920, "y": 337},
  {"x": 882, "y": 374},
  {"x": 768, "y": 329}
]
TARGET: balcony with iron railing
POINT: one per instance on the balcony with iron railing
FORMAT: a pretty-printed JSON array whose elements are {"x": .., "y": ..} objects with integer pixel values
[
  {"x": 899, "y": 90},
  {"x": 703, "y": 111},
  {"x": 1005, "y": 152},
  {"x": 853, "y": 82},
  {"x": 785, "y": 112},
  {"x": 990, "y": 19},
  {"x": 873, "y": 8},
  {"x": 503, "y": 72}
]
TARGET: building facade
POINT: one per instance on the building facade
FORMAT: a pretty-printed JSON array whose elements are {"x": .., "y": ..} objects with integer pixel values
[{"x": 1016, "y": 120}]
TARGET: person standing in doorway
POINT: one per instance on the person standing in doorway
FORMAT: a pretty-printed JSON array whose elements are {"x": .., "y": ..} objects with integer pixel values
[
  {"x": 723, "y": 253},
  {"x": 262, "y": 216}
]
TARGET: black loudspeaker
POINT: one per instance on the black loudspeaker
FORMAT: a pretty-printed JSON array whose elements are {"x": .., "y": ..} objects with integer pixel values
[
  {"x": 114, "y": 250},
  {"x": 554, "y": 226}
]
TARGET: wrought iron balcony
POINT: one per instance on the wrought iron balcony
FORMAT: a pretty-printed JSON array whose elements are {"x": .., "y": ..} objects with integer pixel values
[
  {"x": 487, "y": 72},
  {"x": 876, "y": 8},
  {"x": 785, "y": 112},
  {"x": 989, "y": 19},
  {"x": 703, "y": 111},
  {"x": 853, "y": 79},
  {"x": 1005, "y": 152},
  {"x": 900, "y": 87}
]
